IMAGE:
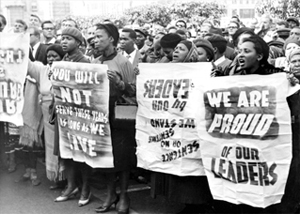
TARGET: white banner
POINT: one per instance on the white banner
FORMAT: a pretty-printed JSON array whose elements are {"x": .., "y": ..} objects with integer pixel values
[
  {"x": 168, "y": 100},
  {"x": 245, "y": 131}
]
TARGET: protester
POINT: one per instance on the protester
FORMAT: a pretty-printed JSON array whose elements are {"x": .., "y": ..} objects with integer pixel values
[
  {"x": 40, "y": 73},
  {"x": 192, "y": 191},
  {"x": 290, "y": 44},
  {"x": 71, "y": 40},
  {"x": 168, "y": 42},
  {"x": 38, "y": 49},
  {"x": 127, "y": 46},
  {"x": 20, "y": 26},
  {"x": 204, "y": 49},
  {"x": 122, "y": 83},
  {"x": 48, "y": 29}
]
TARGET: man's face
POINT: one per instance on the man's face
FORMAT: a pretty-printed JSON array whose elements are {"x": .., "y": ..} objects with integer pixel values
[
  {"x": 68, "y": 43},
  {"x": 48, "y": 30},
  {"x": 126, "y": 43},
  {"x": 266, "y": 22},
  {"x": 295, "y": 32},
  {"x": 203, "y": 30},
  {"x": 19, "y": 27},
  {"x": 180, "y": 25},
  {"x": 140, "y": 39},
  {"x": 102, "y": 40},
  {"x": 34, "y": 21},
  {"x": 33, "y": 38},
  {"x": 292, "y": 24}
]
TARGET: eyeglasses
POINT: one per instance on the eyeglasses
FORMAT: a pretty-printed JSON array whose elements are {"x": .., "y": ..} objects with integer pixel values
[
  {"x": 48, "y": 28},
  {"x": 232, "y": 27}
]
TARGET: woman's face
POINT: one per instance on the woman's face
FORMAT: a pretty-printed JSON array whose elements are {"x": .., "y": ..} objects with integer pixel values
[
  {"x": 295, "y": 63},
  {"x": 247, "y": 56},
  {"x": 289, "y": 48},
  {"x": 52, "y": 56},
  {"x": 180, "y": 52},
  {"x": 202, "y": 54}
]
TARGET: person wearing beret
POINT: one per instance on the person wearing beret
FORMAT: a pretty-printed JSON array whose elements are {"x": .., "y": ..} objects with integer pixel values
[
  {"x": 205, "y": 50},
  {"x": 122, "y": 88},
  {"x": 70, "y": 42},
  {"x": 168, "y": 42},
  {"x": 293, "y": 22}
]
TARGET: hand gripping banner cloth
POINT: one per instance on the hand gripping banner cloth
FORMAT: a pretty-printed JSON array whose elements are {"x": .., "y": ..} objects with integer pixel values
[
  {"x": 81, "y": 102},
  {"x": 245, "y": 133},
  {"x": 166, "y": 134},
  {"x": 14, "y": 50}
]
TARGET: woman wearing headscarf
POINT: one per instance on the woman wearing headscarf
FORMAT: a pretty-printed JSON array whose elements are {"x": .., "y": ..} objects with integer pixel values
[
  {"x": 252, "y": 58},
  {"x": 192, "y": 191},
  {"x": 122, "y": 86},
  {"x": 40, "y": 94}
]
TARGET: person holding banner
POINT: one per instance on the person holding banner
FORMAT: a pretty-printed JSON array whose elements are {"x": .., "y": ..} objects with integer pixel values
[
  {"x": 252, "y": 58},
  {"x": 192, "y": 191},
  {"x": 122, "y": 85},
  {"x": 70, "y": 42},
  {"x": 40, "y": 72}
]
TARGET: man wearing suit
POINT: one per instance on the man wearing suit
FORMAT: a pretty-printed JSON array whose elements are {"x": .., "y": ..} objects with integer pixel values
[
  {"x": 127, "y": 45},
  {"x": 38, "y": 50}
]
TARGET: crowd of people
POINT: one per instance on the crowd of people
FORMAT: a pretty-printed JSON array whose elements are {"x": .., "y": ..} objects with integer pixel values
[{"x": 264, "y": 47}]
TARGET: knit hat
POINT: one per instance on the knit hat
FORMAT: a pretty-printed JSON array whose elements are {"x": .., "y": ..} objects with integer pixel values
[
  {"x": 291, "y": 39},
  {"x": 57, "y": 48},
  {"x": 112, "y": 31},
  {"x": 170, "y": 40},
  {"x": 142, "y": 31},
  {"x": 235, "y": 22},
  {"x": 216, "y": 31},
  {"x": 283, "y": 33},
  {"x": 240, "y": 31},
  {"x": 293, "y": 53},
  {"x": 219, "y": 42},
  {"x": 293, "y": 19},
  {"x": 74, "y": 32},
  {"x": 187, "y": 43},
  {"x": 204, "y": 43}
]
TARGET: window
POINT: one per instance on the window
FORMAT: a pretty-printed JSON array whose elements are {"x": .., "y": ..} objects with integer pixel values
[{"x": 247, "y": 13}]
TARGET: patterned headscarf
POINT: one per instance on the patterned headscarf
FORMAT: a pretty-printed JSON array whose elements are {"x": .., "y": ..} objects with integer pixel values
[{"x": 192, "y": 55}]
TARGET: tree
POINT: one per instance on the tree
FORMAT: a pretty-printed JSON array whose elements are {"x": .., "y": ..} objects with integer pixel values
[
  {"x": 164, "y": 14},
  {"x": 279, "y": 8}
]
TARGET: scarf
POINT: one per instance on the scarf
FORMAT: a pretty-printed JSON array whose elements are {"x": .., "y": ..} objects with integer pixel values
[
  {"x": 104, "y": 58},
  {"x": 30, "y": 132},
  {"x": 192, "y": 55}
]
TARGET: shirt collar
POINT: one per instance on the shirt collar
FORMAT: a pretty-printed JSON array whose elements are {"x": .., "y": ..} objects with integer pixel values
[
  {"x": 35, "y": 47},
  {"x": 220, "y": 60}
]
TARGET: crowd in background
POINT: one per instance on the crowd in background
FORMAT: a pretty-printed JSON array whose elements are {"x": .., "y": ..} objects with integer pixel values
[{"x": 263, "y": 47}]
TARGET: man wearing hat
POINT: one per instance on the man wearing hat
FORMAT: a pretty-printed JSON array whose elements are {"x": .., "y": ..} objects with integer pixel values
[
  {"x": 293, "y": 22},
  {"x": 219, "y": 44},
  {"x": 168, "y": 42},
  {"x": 141, "y": 37},
  {"x": 70, "y": 42}
]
